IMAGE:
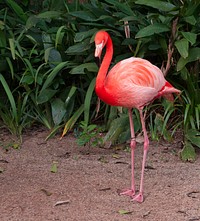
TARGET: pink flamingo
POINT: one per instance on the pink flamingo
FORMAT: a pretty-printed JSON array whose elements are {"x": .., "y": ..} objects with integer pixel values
[{"x": 131, "y": 83}]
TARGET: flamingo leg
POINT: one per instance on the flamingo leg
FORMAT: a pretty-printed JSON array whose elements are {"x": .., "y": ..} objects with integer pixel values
[
  {"x": 139, "y": 197},
  {"x": 131, "y": 192}
]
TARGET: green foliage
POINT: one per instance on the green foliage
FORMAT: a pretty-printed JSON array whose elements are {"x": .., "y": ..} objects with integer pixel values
[
  {"x": 16, "y": 117},
  {"x": 164, "y": 119},
  {"x": 90, "y": 134},
  {"x": 119, "y": 127},
  {"x": 36, "y": 69},
  {"x": 47, "y": 66},
  {"x": 54, "y": 167}
]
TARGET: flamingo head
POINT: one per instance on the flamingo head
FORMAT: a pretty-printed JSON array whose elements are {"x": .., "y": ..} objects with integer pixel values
[{"x": 100, "y": 41}]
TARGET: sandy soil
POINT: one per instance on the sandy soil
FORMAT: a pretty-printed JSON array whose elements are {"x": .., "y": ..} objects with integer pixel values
[{"x": 86, "y": 184}]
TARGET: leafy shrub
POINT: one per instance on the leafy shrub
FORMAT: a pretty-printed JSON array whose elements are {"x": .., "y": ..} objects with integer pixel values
[{"x": 48, "y": 69}]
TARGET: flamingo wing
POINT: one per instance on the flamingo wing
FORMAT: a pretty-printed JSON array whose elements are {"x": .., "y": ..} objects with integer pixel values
[{"x": 134, "y": 82}]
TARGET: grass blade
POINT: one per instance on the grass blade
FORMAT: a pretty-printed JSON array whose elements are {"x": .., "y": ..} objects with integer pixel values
[
  {"x": 10, "y": 66},
  {"x": 59, "y": 36},
  {"x": 197, "y": 113},
  {"x": 53, "y": 74},
  {"x": 87, "y": 102},
  {"x": 10, "y": 96},
  {"x": 70, "y": 123},
  {"x": 17, "y": 9},
  {"x": 12, "y": 47}
]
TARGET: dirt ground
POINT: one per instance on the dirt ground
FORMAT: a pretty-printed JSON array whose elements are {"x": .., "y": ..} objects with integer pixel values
[{"x": 87, "y": 181}]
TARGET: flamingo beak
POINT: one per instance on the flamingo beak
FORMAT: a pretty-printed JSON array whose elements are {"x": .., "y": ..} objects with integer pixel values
[{"x": 98, "y": 50}]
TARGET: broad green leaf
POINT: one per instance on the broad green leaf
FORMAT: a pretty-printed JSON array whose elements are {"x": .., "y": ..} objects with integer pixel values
[
  {"x": 151, "y": 30},
  {"x": 80, "y": 36},
  {"x": 58, "y": 110},
  {"x": 117, "y": 126},
  {"x": 80, "y": 69},
  {"x": 27, "y": 79},
  {"x": 123, "y": 7},
  {"x": 49, "y": 14},
  {"x": 78, "y": 48},
  {"x": 85, "y": 15},
  {"x": 45, "y": 95},
  {"x": 188, "y": 152},
  {"x": 158, "y": 4},
  {"x": 191, "y": 37},
  {"x": 191, "y": 20},
  {"x": 53, "y": 74},
  {"x": 193, "y": 136},
  {"x": 32, "y": 21},
  {"x": 52, "y": 56},
  {"x": 182, "y": 47},
  {"x": 194, "y": 54},
  {"x": 47, "y": 53},
  {"x": 131, "y": 18},
  {"x": 107, "y": 18}
]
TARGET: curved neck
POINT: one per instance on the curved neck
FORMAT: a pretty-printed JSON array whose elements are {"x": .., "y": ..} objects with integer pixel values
[{"x": 105, "y": 64}]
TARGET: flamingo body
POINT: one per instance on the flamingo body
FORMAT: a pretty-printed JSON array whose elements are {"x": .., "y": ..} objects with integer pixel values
[
  {"x": 137, "y": 78},
  {"x": 131, "y": 83}
]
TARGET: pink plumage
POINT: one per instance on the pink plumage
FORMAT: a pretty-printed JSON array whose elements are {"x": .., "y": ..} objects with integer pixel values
[{"x": 131, "y": 83}]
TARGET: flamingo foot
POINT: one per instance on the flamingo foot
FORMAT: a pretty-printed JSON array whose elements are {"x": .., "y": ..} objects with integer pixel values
[
  {"x": 128, "y": 192},
  {"x": 138, "y": 198}
]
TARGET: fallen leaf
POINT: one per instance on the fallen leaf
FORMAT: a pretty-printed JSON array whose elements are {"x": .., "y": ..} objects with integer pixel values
[
  {"x": 116, "y": 156},
  {"x": 16, "y": 146},
  {"x": 121, "y": 162},
  {"x": 105, "y": 189},
  {"x": 124, "y": 212},
  {"x": 148, "y": 167},
  {"x": 146, "y": 214},
  {"x": 47, "y": 193},
  {"x": 1, "y": 169},
  {"x": 140, "y": 138},
  {"x": 195, "y": 218},
  {"x": 103, "y": 159},
  {"x": 4, "y": 161},
  {"x": 65, "y": 155},
  {"x": 59, "y": 203},
  {"x": 54, "y": 167},
  {"x": 193, "y": 194}
]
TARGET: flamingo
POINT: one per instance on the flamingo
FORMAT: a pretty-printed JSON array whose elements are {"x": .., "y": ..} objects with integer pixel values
[{"x": 131, "y": 83}]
